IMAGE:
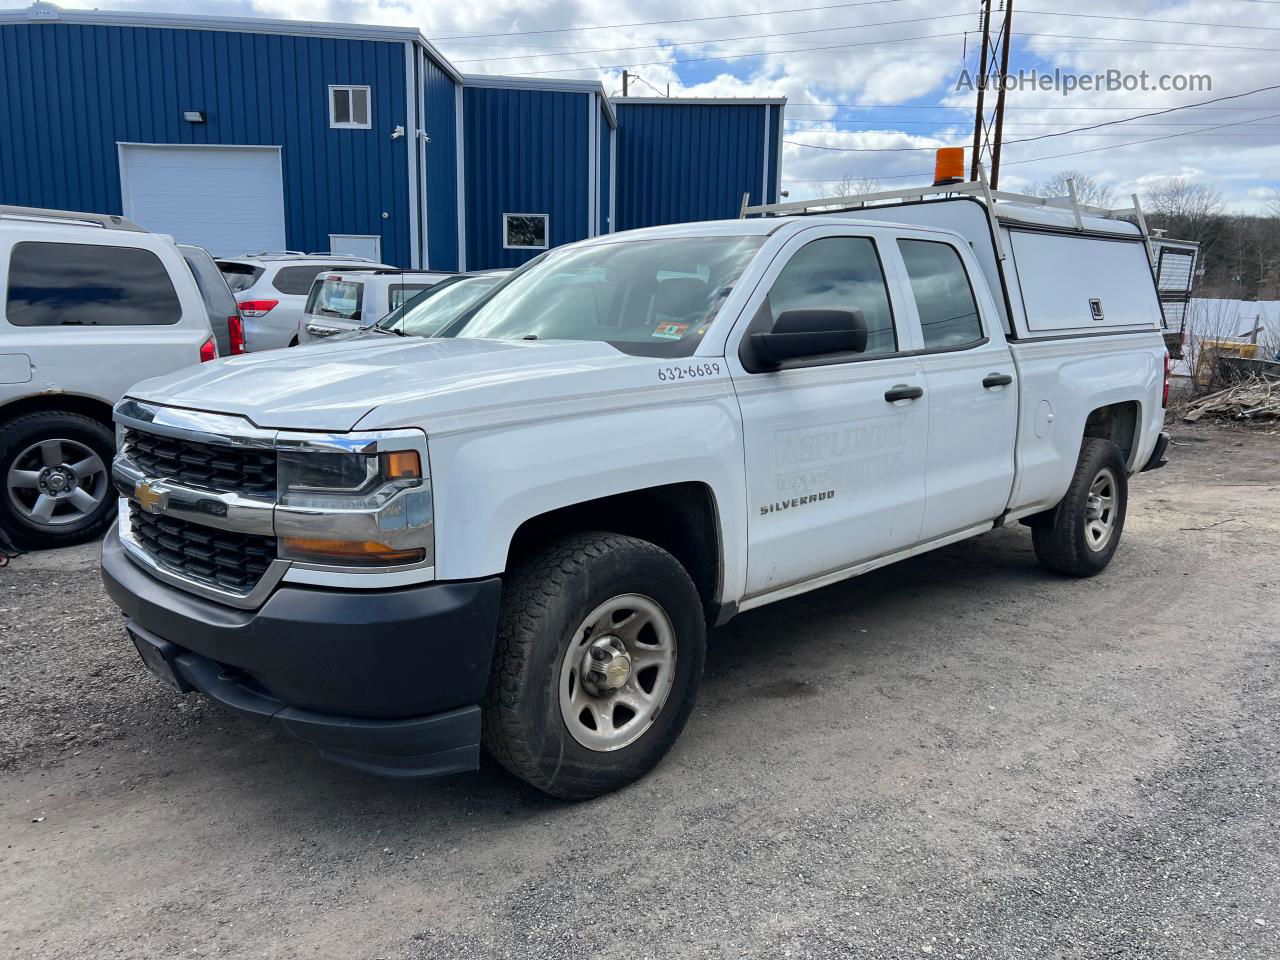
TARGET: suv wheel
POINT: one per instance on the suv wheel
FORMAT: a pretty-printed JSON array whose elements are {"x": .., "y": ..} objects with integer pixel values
[
  {"x": 1080, "y": 535},
  {"x": 56, "y": 471},
  {"x": 601, "y": 642}
]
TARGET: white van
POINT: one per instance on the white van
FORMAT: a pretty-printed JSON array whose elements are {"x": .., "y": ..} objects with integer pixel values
[
  {"x": 89, "y": 305},
  {"x": 342, "y": 302}
]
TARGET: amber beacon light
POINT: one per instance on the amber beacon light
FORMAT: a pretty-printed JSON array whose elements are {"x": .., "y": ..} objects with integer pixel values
[{"x": 948, "y": 167}]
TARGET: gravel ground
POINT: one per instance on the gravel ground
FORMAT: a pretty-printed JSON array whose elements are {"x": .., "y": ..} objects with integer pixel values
[{"x": 959, "y": 756}]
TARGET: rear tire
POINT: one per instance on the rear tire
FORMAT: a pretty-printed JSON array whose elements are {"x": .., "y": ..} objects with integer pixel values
[
  {"x": 55, "y": 479},
  {"x": 577, "y": 727},
  {"x": 1080, "y": 535}
]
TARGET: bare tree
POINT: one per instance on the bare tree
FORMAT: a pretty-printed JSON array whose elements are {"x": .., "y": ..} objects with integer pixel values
[
  {"x": 1088, "y": 190},
  {"x": 1186, "y": 209},
  {"x": 852, "y": 186}
]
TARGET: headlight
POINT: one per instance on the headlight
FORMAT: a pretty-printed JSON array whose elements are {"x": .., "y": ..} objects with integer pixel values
[{"x": 366, "y": 509}]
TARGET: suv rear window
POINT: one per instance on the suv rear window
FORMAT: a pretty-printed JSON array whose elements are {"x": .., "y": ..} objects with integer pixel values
[
  {"x": 85, "y": 284},
  {"x": 239, "y": 276},
  {"x": 298, "y": 280},
  {"x": 332, "y": 297}
]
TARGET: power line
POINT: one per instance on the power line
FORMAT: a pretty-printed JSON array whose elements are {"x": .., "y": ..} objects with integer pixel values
[
  {"x": 711, "y": 40},
  {"x": 654, "y": 23},
  {"x": 1179, "y": 23},
  {"x": 1048, "y": 136},
  {"x": 771, "y": 53},
  {"x": 1059, "y": 156}
]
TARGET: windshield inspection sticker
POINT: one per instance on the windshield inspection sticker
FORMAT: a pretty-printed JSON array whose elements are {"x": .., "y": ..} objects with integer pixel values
[{"x": 670, "y": 331}]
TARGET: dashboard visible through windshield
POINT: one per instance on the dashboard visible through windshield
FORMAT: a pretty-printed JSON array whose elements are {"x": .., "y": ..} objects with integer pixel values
[{"x": 642, "y": 297}]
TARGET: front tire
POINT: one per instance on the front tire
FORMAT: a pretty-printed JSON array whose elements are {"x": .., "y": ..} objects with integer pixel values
[
  {"x": 1080, "y": 535},
  {"x": 600, "y": 648},
  {"x": 55, "y": 479}
]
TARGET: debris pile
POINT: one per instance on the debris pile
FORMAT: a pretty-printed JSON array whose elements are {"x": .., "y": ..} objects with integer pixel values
[{"x": 1256, "y": 398}]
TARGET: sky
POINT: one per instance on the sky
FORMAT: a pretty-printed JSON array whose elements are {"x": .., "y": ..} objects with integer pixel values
[{"x": 874, "y": 86}]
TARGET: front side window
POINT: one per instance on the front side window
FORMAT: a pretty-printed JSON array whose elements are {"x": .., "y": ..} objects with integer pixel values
[
  {"x": 349, "y": 108},
  {"x": 429, "y": 312},
  {"x": 334, "y": 297},
  {"x": 84, "y": 284},
  {"x": 524, "y": 231},
  {"x": 643, "y": 298},
  {"x": 838, "y": 273},
  {"x": 944, "y": 298}
]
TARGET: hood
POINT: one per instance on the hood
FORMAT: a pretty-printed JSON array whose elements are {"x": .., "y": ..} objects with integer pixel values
[{"x": 335, "y": 384}]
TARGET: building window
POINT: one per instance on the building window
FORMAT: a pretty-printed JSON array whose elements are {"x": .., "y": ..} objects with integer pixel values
[
  {"x": 349, "y": 108},
  {"x": 524, "y": 231}
]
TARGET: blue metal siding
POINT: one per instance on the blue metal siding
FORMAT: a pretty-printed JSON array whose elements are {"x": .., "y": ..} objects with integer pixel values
[
  {"x": 605, "y": 138},
  {"x": 775, "y": 154},
  {"x": 527, "y": 151},
  {"x": 442, "y": 168},
  {"x": 77, "y": 90},
  {"x": 684, "y": 162}
]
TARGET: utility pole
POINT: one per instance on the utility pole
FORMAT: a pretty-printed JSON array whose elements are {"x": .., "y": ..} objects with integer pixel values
[
  {"x": 984, "y": 21},
  {"x": 1004, "y": 72},
  {"x": 625, "y": 77},
  {"x": 991, "y": 70}
]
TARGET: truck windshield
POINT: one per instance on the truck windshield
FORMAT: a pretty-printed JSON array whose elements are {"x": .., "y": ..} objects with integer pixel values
[
  {"x": 647, "y": 297},
  {"x": 427, "y": 313}
]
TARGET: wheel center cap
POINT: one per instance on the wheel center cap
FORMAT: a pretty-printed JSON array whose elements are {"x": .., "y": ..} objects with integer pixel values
[
  {"x": 606, "y": 666},
  {"x": 1093, "y": 507},
  {"x": 56, "y": 481}
]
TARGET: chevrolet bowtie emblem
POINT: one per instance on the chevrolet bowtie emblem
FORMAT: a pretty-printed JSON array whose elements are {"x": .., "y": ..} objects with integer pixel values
[{"x": 151, "y": 496}]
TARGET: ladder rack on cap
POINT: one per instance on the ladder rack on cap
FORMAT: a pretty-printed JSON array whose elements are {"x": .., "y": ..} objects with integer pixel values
[{"x": 975, "y": 188}]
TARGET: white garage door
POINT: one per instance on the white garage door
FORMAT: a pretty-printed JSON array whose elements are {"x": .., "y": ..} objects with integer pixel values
[{"x": 227, "y": 199}]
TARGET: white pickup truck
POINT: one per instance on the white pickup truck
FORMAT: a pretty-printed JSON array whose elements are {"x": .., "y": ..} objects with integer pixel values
[{"x": 517, "y": 533}]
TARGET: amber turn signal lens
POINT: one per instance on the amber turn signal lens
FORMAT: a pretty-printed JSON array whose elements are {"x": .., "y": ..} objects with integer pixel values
[
  {"x": 368, "y": 553},
  {"x": 401, "y": 465},
  {"x": 948, "y": 166}
]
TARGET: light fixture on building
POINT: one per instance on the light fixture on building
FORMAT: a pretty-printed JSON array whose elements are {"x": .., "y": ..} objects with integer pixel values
[{"x": 193, "y": 116}]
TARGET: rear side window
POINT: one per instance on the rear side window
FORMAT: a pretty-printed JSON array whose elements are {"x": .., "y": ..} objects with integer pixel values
[
  {"x": 83, "y": 284},
  {"x": 213, "y": 288},
  {"x": 332, "y": 297},
  {"x": 240, "y": 276},
  {"x": 944, "y": 298},
  {"x": 297, "y": 280},
  {"x": 838, "y": 273}
]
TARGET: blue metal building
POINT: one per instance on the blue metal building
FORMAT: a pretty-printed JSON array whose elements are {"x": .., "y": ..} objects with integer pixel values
[
  {"x": 692, "y": 156},
  {"x": 243, "y": 134}
]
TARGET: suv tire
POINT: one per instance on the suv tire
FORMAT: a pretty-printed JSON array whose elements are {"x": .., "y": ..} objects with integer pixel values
[
  {"x": 1080, "y": 535},
  {"x": 600, "y": 647},
  {"x": 55, "y": 462}
]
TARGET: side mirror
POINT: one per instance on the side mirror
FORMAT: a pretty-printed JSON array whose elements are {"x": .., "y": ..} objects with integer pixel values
[{"x": 811, "y": 333}]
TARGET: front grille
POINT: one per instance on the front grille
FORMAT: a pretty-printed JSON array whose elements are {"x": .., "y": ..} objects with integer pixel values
[
  {"x": 231, "y": 561},
  {"x": 205, "y": 466}
]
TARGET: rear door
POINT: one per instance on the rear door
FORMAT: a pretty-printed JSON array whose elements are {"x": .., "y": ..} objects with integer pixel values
[
  {"x": 970, "y": 383},
  {"x": 835, "y": 466}
]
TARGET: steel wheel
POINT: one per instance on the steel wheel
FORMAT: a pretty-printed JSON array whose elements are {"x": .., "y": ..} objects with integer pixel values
[
  {"x": 55, "y": 482},
  {"x": 1100, "y": 510},
  {"x": 616, "y": 672}
]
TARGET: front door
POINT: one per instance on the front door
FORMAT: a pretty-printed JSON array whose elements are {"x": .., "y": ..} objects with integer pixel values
[
  {"x": 971, "y": 385},
  {"x": 835, "y": 466}
]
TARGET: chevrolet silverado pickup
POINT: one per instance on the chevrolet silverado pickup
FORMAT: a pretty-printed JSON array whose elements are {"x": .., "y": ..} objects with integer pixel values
[{"x": 516, "y": 534}]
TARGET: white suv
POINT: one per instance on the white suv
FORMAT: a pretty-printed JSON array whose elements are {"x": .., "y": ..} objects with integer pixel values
[
  {"x": 272, "y": 290},
  {"x": 346, "y": 301},
  {"x": 89, "y": 305}
]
